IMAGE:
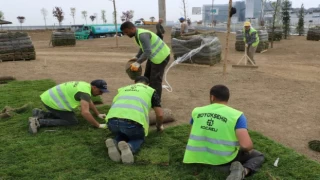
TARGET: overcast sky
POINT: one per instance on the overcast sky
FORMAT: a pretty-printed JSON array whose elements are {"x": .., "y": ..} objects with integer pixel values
[{"x": 142, "y": 9}]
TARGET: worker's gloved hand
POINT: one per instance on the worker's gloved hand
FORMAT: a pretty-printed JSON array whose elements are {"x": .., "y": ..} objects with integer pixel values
[
  {"x": 134, "y": 66},
  {"x": 103, "y": 126},
  {"x": 247, "y": 45},
  {"x": 160, "y": 128},
  {"x": 102, "y": 116}
]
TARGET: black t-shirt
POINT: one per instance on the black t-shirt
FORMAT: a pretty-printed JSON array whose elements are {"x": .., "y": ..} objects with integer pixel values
[
  {"x": 155, "y": 100},
  {"x": 82, "y": 96}
]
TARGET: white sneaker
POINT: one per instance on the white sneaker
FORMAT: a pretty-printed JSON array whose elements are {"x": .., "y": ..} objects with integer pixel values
[
  {"x": 126, "y": 153},
  {"x": 237, "y": 171},
  {"x": 113, "y": 150},
  {"x": 33, "y": 125}
]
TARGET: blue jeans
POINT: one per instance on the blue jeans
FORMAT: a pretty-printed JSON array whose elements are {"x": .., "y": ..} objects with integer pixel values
[{"x": 127, "y": 130}]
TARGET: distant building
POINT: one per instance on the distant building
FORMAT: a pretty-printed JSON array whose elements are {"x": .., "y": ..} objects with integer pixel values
[{"x": 222, "y": 11}]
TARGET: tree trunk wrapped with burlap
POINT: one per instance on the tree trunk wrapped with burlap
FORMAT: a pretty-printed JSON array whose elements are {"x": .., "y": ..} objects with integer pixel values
[
  {"x": 314, "y": 34},
  {"x": 16, "y": 46},
  {"x": 263, "y": 41},
  {"x": 63, "y": 39},
  {"x": 209, "y": 55}
]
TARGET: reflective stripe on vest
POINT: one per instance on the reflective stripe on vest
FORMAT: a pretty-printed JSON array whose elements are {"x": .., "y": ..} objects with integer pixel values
[
  {"x": 56, "y": 99},
  {"x": 208, "y": 150},
  {"x": 214, "y": 141},
  {"x": 133, "y": 107},
  {"x": 159, "y": 50}
]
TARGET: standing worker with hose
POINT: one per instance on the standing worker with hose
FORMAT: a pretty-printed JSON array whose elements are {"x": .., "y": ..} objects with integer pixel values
[
  {"x": 152, "y": 49},
  {"x": 251, "y": 40}
]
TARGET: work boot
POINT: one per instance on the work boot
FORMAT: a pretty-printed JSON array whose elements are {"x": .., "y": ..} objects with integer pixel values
[
  {"x": 126, "y": 153},
  {"x": 33, "y": 125},
  {"x": 236, "y": 171},
  {"x": 113, "y": 152}
]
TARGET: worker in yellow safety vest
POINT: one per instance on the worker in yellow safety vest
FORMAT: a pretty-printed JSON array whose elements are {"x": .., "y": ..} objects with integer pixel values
[
  {"x": 128, "y": 119},
  {"x": 61, "y": 100},
  {"x": 251, "y": 40},
  {"x": 219, "y": 136},
  {"x": 153, "y": 50}
]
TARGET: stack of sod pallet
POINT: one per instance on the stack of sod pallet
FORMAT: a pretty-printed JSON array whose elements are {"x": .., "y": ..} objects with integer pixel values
[
  {"x": 263, "y": 41},
  {"x": 209, "y": 55},
  {"x": 314, "y": 34},
  {"x": 16, "y": 46},
  {"x": 63, "y": 38}
]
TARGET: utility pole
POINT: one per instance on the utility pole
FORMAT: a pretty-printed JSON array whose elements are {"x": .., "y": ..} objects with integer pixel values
[
  {"x": 162, "y": 11},
  {"x": 212, "y": 13}
]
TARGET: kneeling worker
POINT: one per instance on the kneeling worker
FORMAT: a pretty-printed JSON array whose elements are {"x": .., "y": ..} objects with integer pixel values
[
  {"x": 128, "y": 119},
  {"x": 219, "y": 136},
  {"x": 62, "y": 99}
]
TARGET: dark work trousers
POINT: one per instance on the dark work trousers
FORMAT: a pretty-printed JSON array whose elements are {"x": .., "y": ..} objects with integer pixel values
[
  {"x": 160, "y": 35},
  {"x": 57, "y": 118},
  {"x": 252, "y": 161},
  {"x": 154, "y": 72}
]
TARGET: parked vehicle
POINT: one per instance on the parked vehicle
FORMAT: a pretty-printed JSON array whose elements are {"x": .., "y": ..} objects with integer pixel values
[
  {"x": 140, "y": 23},
  {"x": 95, "y": 31}
]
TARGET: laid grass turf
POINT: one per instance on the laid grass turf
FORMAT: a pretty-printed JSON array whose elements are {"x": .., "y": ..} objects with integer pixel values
[{"x": 79, "y": 152}]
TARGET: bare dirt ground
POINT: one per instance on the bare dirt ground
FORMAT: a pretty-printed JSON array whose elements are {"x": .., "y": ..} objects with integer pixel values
[{"x": 280, "y": 98}]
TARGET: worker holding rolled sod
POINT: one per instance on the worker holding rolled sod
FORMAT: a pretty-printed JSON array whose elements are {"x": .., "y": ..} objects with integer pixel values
[
  {"x": 61, "y": 100},
  {"x": 153, "y": 50},
  {"x": 219, "y": 136},
  {"x": 128, "y": 119},
  {"x": 251, "y": 40}
]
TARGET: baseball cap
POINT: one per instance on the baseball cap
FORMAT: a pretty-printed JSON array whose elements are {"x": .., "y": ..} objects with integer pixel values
[
  {"x": 181, "y": 19},
  {"x": 247, "y": 23},
  {"x": 101, "y": 84}
]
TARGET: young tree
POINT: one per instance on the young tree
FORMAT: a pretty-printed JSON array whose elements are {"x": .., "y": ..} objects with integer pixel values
[
  {"x": 152, "y": 19},
  {"x": 73, "y": 14},
  {"x": 127, "y": 15},
  {"x": 261, "y": 21},
  {"x": 92, "y": 17},
  {"x": 1, "y": 15},
  {"x": 84, "y": 15},
  {"x": 58, "y": 13},
  {"x": 184, "y": 8},
  {"x": 96, "y": 15},
  {"x": 44, "y": 13},
  {"x": 21, "y": 20},
  {"x": 103, "y": 16},
  {"x": 276, "y": 6},
  {"x": 300, "y": 26},
  {"x": 286, "y": 6},
  {"x": 115, "y": 20}
]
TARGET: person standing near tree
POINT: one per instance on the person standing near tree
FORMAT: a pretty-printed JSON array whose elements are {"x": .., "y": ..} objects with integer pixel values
[
  {"x": 251, "y": 40},
  {"x": 183, "y": 26},
  {"x": 160, "y": 29},
  {"x": 153, "y": 50}
]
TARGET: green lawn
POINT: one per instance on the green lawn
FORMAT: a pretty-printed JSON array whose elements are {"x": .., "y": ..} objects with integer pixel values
[{"x": 79, "y": 152}]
